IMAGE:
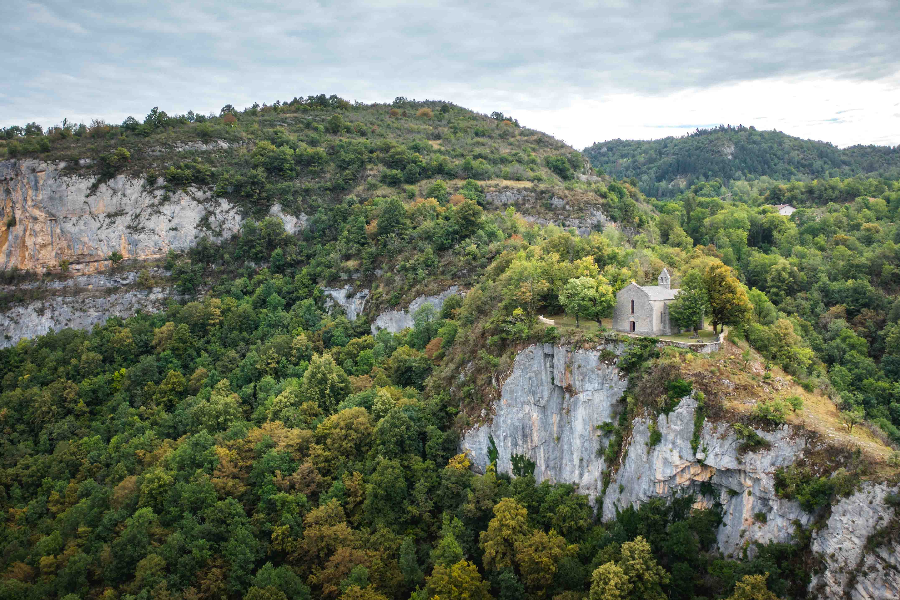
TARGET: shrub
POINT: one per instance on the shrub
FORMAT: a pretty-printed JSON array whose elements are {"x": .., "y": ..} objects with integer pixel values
[
  {"x": 771, "y": 410},
  {"x": 750, "y": 440},
  {"x": 391, "y": 177},
  {"x": 115, "y": 257},
  {"x": 679, "y": 388},
  {"x": 522, "y": 466},
  {"x": 655, "y": 435},
  {"x": 795, "y": 402},
  {"x": 699, "y": 417},
  {"x": 425, "y": 113},
  {"x": 561, "y": 167},
  {"x": 334, "y": 124},
  {"x": 188, "y": 173},
  {"x": 638, "y": 351},
  {"x": 798, "y": 483},
  {"x": 112, "y": 162}
]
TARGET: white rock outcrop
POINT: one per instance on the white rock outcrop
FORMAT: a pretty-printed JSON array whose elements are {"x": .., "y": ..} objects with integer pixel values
[
  {"x": 353, "y": 302},
  {"x": 743, "y": 484},
  {"x": 552, "y": 409},
  {"x": 855, "y": 568},
  {"x": 292, "y": 224},
  {"x": 58, "y": 217},
  {"x": 549, "y": 410},
  {"x": 81, "y": 311},
  {"x": 396, "y": 321},
  {"x": 584, "y": 223}
]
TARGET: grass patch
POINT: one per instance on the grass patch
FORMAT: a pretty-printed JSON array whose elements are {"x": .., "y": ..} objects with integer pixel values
[
  {"x": 699, "y": 417},
  {"x": 704, "y": 336},
  {"x": 565, "y": 322}
]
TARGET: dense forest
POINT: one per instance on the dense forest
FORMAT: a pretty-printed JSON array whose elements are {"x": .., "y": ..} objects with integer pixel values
[
  {"x": 248, "y": 443},
  {"x": 666, "y": 167}
]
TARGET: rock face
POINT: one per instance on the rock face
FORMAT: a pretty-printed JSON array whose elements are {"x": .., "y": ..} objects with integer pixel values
[
  {"x": 351, "y": 301},
  {"x": 743, "y": 484},
  {"x": 58, "y": 217},
  {"x": 552, "y": 409},
  {"x": 584, "y": 224},
  {"x": 548, "y": 411},
  {"x": 292, "y": 224},
  {"x": 852, "y": 568},
  {"x": 79, "y": 303},
  {"x": 396, "y": 321}
]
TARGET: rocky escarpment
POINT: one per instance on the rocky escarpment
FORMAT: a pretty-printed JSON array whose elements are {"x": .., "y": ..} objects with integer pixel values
[
  {"x": 396, "y": 321},
  {"x": 78, "y": 303},
  {"x": 856, "y": 563},
  {"x": 351, "y": 300},
  {"x": 48, "y": 216},
  {"x": 585, "y": 220},
  {"x": 549, "y": 410},
  {"x": 553, "y": 408}
]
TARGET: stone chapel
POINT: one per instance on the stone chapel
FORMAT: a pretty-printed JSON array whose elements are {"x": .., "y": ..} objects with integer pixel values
[{"x": 643, "y": 309}]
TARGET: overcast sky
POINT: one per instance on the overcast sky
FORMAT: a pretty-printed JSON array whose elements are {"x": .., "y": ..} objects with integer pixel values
[{"x": 582, "y": 71}]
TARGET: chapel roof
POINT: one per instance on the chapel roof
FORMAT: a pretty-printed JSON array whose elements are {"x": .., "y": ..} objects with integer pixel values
[{"x": 658, "y": 292}]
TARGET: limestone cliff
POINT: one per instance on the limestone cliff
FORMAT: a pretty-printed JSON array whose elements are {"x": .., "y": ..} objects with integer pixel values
[
  {"x": 396, "y": 321},
  {"x": 48, "y": 215},
  {"x": 79, "y": 303},
  {"x": 351, "y": 300},
  {"x": 552, "y": 409},
  {"x": 856, "y": 564},
  {"x": 584, "y": 217}
]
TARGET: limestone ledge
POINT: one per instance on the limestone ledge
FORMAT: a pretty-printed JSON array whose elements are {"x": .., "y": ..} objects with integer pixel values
[
  {"x": 58, "y": 217},
  {"x": 81, "y": 311},
  {"x": 551, "y": 408},
  {"x": 396, "y": 321}
]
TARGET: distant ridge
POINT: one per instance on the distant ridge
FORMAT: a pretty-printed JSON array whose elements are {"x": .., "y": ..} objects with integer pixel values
[{"x": 667, "y": 166}]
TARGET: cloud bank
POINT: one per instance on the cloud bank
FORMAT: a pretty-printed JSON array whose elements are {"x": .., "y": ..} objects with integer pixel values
[{"x": 585, "y": 71}]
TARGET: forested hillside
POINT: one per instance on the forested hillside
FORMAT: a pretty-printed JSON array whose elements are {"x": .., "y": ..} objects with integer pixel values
[
  {"x": 303, "y": 154},
  {"x": 664, "y": 168},
  {"x": 252, "y": 441}
]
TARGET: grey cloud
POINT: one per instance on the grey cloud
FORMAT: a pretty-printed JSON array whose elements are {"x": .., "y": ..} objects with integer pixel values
[{"x": 110, "y": 59}]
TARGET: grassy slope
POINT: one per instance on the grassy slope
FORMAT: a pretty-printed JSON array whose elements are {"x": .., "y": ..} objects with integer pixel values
[{"x": 736, "y": 385}]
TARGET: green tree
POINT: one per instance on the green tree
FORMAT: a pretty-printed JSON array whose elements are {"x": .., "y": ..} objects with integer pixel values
[
  {"x": 728, "y": 302},
  {"x": 466, "y": 219},
  {"x": 506, "y": 531},
  {"x": 537, "y": 557},
  {"x": 386, "y": 494},
  {"x": 691, "y": 303},
  {"x": 221, "y": 409},
  {"x": 461, "y": 581},
  {"x": 645, "y": 576},
  {"x": 752, "y": 587},
  {"x": 448, "y": 551},
  {"x": 609, "y": 582},
  {"x": 324, "y": 383},
  {"x": 636, "y": 576},
  {"x": 409, "y": 562},
  {"x": 588, "y": 298},
  {"x": 391, "y": 218},
  {"x": 852, "y": 417}
]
